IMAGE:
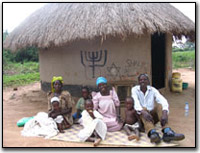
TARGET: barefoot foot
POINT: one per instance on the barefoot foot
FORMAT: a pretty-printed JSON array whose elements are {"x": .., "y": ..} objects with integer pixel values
[
  {"x": 131, "y": 137},
  {"x": 61, "y": 131},
  {"x": 97, "y": 142}
]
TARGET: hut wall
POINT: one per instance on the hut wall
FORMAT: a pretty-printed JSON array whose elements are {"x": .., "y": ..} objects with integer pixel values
[
  {"x": 80, "y": 63},
  {"x": 168, "y": 61}
]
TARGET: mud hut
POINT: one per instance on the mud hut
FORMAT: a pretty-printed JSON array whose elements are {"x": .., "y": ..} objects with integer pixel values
[{"x": 81, "y": 41}]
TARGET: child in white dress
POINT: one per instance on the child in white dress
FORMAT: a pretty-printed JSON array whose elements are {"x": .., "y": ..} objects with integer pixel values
[{"x": 94, "y": 128}]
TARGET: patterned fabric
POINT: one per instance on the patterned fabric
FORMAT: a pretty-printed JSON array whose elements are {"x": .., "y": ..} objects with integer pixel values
[
  {"x": 66, "y": 101},
  {"x": 118, "y": 138}
]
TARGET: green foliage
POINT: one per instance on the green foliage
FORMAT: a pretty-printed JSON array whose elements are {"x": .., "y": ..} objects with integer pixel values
[
  {"x": 182, "y": 49},
  {"x": 22, "y": 55},
  {"x": 15, "y": 74},
  {"x": 183, "y": 59},
  {"x": 188, "y": 46},
  {"x": 17, "y": 68},
  {"x": 27, "y": 54},
  {"x": 20, "y": 79},
  {"x": 7, "y": 57},
  {"x": 21, "y": 67},
  {"x": 5, "y": 34}
]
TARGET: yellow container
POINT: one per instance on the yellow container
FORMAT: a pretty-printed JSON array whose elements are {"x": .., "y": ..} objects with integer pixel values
[
  {"x": 176, "y": 85},
  {"x": 176, "y": 75}
]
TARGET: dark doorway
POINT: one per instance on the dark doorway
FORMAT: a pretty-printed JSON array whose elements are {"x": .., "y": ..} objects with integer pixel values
[{"x": 158, "y": 60}]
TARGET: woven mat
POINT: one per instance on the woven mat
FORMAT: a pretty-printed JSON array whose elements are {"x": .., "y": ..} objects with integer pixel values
[{"x": 112, "y": 138}]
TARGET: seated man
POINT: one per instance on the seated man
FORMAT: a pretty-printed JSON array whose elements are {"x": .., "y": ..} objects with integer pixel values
[{"x": 151, "y": 112}]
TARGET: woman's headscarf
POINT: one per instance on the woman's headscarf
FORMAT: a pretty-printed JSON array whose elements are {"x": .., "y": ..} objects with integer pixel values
[
  {"x": 55, "y": 79},
  {"x": 101, "y": 80}
]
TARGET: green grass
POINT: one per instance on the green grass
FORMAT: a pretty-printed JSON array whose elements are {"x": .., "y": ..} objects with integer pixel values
[
  {"x": 16, "y": 74},
  {"x": 20, "y": 79},
  {"x": 183, "y": 59},
  {"x": 18, "y": 68}
]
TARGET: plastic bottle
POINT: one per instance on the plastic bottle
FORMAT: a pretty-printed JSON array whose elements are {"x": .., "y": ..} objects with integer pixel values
[{"x": 186, "y": 108}]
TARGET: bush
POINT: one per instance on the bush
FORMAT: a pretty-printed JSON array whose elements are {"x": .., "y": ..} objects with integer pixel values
[
  {"x": 23, "y": 55},
  {"x": 27, "y": 54},
  {"x": 7, "y": 56},
  {"x": 25, "y": 71}
]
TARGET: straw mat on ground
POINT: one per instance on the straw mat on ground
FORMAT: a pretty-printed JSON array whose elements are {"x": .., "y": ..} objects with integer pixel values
[{"x": 118, "y": 138}]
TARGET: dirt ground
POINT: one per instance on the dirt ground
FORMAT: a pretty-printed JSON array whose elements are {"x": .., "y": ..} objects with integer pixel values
[{"x": 29, "y": 100}]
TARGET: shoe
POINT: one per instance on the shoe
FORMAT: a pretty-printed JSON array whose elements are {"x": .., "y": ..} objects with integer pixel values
[
  {"x": 154, "y": 137},
  {"x": 171, "y": 135}
]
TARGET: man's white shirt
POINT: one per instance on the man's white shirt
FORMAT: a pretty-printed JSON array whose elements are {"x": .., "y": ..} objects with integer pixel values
[{"x": 147, "y": 100}]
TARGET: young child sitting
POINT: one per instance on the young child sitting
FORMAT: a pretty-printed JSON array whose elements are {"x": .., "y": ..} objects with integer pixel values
[
  {"x": 55, "y": 113},
  {"x": 80, "y": 104},
  {"x": 132, "y": 121},
  {"x": 94, "y": 128}
]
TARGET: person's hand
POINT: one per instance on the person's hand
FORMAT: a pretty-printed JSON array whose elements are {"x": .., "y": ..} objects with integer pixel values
[
  {"x": 91, "y": 113},
  {"x": 147, "y": 116},
  {"x": 54, "y": 115},
  {"x": 164, "y": 118},
  {"x": 119, "y": 119},
  {"x": 66, "y": 111}
]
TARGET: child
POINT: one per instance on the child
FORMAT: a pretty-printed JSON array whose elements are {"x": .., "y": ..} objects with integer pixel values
[
  {"x": 132, "y": 121},
  {"x": 55, "y": 113},
  {"x": 80, "y": 103},
  {"x": 94, "y": 128}
]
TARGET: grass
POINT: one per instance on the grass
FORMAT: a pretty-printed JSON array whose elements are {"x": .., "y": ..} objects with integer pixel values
[
  {"x": 18, "y": 68},
  {"x": 20, "y": 79},
  {"x": 17, "y": 74},
  {"x": 183, "y": 59}
]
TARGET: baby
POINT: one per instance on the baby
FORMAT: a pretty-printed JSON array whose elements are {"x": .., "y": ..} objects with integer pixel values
[
  {"x": 132, "y": 121},
  {"x": 94, "y": 128},
  {"x": 56, "y": 114}
]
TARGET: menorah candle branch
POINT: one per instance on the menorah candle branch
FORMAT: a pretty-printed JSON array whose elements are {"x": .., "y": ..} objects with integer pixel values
[{"x": 93, "y": 59}]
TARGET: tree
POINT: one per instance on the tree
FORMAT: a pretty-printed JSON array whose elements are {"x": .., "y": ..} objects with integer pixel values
[{"x": 5, "y": 34}]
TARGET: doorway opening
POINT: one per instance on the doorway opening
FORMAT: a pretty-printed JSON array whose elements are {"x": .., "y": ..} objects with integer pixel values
[{"x": 158, "y": 60}]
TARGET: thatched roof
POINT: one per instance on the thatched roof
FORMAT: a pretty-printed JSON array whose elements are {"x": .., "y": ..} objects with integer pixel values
[{"x": 56, "y": 24}]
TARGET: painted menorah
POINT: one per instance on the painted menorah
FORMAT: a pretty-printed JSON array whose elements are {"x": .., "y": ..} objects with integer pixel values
[{"x": 93, "y": 59}]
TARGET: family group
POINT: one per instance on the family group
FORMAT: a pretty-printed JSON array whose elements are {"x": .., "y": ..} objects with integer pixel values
[{"x": 99, "y": 112}]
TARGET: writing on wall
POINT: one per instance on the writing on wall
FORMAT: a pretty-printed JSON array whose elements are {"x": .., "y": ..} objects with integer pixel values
[
  {"x": 93, "y": 59},
  {"x": 126, "y": 70},
  {"x": 134, "y": 67}
]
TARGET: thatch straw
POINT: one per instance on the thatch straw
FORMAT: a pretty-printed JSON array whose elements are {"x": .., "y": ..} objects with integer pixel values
[{"x": 56, "y": 24}]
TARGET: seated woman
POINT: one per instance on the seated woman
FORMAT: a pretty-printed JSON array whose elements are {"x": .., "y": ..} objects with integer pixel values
[
  {"x": 107, "y": 103},
  {"x": 66, "y": 101}
]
